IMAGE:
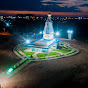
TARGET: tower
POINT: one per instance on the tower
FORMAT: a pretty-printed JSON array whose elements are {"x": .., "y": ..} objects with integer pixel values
[
  {"x": 70, "y": 34},
  {"x": 48, "y": 32}
]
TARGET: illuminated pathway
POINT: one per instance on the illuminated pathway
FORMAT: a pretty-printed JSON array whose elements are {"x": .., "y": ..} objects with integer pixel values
[{"x": 35, "y": 56}]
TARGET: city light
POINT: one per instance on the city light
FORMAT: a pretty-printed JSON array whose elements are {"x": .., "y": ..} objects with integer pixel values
[
  {"x": 57, "y": 33},
  {"x": 27, "y": 41},
  {"x": 7, "y": 24},
  {"x": 9, "y": 71}
]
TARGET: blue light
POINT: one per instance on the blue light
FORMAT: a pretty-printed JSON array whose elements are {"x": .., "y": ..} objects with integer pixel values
[
  {"x": 70, "y": 34},
  {"x": 70, "y": 31},
  {"x": 7, "y": 24},
  {"x": 27, "y": 41},
  {"x": 40, "y": 32},
  {"x": 57, "y": 33}
]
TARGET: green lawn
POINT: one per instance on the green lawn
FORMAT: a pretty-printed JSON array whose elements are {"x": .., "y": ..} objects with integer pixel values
[
  {"x": 62, "y": 50},
  {"x": 41, "y": 55},
  {"x": 72, "y": 52},
  {"x": 50, "y": 57},
  {"x": 50, "y": 54},
  {"x": 23, "y": 49},
  {"x": 57, "y": 56},
  {"x": 42, "y": 58},
  {"x": 28, "y": 53},
  {"x": 53, "y": 53}
]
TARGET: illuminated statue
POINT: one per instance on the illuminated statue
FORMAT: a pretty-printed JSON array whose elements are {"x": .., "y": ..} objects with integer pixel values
[{"x": 48, "y": 32}]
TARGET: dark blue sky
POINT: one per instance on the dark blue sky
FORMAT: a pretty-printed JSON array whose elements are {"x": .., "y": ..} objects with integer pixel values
[
  {"x": 45, "y": 5},
  {"x": 20, "y": 5}
]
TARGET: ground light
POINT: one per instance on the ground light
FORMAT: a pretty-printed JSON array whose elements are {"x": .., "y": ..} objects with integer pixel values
[
  {"x": 10, "y": 70},
  {"x": 17, "y": 66}
]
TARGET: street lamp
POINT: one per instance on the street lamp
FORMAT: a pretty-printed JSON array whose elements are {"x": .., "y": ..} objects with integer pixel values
[
  {"x": 69, "y": 34},
  {"x": 57, "y": 34},
  {"x": 40, "y": 33}
]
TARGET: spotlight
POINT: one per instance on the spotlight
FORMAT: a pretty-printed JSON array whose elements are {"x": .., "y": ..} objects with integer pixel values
[
  {"x": 10, "y": 70},
  {"x": 57, "y": 33},
  {"x": 27, "y": 41},
  {"x": 70, "y": 34},
  {"x": 69, "y": 31},
  {"x": 40, "y": 32}
]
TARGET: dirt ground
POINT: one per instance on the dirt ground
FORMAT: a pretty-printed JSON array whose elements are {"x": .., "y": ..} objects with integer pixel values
[
  {"x": 7, "y": 57},
  {"x": 65, "y": 72}
]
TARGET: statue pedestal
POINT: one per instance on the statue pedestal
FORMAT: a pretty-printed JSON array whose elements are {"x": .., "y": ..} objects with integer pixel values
[{"x": 48, "y": 36}]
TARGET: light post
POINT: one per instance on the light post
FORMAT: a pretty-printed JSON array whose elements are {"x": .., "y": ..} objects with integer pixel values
[
  {"x": 57, "y": 34},
  {"x": 27, "y": 41},
  {"x": 40, "y": 33},
  {"x": 70, "y": 34}
]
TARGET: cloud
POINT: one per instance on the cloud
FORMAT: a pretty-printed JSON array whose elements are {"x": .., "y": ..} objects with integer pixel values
[
  {"x": 68, "y": 3},
  {"x": 83, "y": 9}
]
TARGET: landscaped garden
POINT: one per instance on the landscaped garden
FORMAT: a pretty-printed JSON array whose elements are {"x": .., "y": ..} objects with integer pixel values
[
  {"x": 44, "y": 55},
  {"x": 62, "y": 50},
  {"x": 28, "y": 53}
]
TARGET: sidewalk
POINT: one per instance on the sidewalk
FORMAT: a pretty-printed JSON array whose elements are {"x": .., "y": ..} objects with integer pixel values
[{"x": 35, "y": 56}]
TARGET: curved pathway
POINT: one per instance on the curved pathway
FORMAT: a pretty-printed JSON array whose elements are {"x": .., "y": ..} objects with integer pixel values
[
  {"x": 35, "y": 56},
  {"x": 18, "y": 48}
]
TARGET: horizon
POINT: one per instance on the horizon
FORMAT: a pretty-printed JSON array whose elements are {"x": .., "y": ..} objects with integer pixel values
[
  {"x": 43, "y": 13},
  {"x": 43, "y": 7}
]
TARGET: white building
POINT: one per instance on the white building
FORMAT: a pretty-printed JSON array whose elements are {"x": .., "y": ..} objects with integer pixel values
[{"x": 48, "y": 42}]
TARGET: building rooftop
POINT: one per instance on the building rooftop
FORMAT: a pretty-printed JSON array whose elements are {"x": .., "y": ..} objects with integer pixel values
[{"x": 41, "y": 43}]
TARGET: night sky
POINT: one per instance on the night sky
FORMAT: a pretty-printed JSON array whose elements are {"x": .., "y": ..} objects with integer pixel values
[{"x": 45, "y": 5}]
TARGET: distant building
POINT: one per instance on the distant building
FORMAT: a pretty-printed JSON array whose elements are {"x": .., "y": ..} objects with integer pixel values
[{"x": 1, "y": 17}]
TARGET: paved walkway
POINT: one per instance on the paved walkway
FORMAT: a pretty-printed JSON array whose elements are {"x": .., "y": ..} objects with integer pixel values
[
  {"x": 35, "y": 56},
  {"x": 22, "y": 53}
]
